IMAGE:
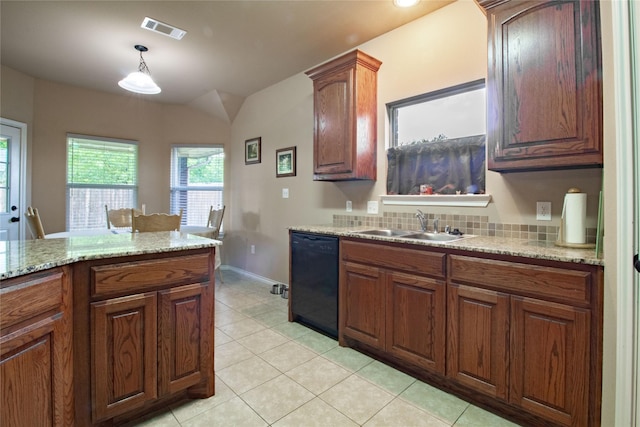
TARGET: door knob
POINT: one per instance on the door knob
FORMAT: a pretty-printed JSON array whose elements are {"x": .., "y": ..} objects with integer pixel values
[{"x": 15, "y": 219}]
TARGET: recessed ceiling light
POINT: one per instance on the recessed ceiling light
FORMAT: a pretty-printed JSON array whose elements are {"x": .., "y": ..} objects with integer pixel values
[
  {"x": 162, "y": 28},
  {"x": 405, "y": 3}
]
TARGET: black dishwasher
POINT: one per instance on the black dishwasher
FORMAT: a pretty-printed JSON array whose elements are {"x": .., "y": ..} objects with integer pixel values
[{"x": 314, "y": 281}]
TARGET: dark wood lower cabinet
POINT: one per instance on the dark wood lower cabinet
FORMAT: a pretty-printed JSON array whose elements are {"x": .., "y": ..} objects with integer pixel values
[
  {"x": 387, "y": 304},
  {"x": 362, "y": 298},
  {"x": 124, "y": 354},
  {"x": 36, "y": 350},
  {"x": 550, "y": 360},
  {"x": 415, "y": 327},
  {"x": 144, "y": 334},
  {"x": 523, "y": 336},
  {"x": 478, "y": 339}
]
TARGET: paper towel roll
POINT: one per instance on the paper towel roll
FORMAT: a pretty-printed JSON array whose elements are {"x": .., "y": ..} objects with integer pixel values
[{"x": 575, "y": 217}]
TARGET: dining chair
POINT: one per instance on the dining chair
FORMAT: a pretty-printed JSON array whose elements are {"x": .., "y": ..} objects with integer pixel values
[
  {"x": 35, "y": 223},
  {"x": 215, "y": 222},
  {"x": 120, "y": 218},
  {"x": 155, "y": 222}
]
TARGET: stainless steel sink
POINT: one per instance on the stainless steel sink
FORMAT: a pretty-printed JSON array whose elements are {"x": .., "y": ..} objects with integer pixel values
[
  {"x": 386, "y": 232},
  {"x": 436, "y": 237}
]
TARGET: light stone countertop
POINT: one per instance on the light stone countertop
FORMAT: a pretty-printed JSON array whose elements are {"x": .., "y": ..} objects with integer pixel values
[
  {"x": 20, "y": 257},
  {"x": 494, "y": 245}
]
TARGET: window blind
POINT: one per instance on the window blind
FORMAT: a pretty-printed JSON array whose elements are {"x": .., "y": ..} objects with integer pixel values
[
  {"x": 197, "y": 181},
  {"x": 100, "y": 171}
]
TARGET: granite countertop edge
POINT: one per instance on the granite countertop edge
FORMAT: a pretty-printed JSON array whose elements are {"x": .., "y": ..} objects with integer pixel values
[
  {"x": 30, "y": 256},
  {"x": 487, "y": 244}
]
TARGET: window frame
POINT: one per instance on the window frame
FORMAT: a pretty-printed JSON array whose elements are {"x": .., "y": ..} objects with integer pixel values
[
  {"x": 461, "y": 200},
  {"x": 393, "y": 107},
  {"x": 69, "y": 186},
  {"x": 174, "y": 188}
]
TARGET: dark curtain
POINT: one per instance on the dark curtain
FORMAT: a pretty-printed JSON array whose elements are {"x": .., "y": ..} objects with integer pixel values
[{"x": 448, "y": 166}]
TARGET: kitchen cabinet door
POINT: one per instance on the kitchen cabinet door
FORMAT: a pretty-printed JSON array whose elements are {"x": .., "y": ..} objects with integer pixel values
[
  {"x": 124, "y": 354},
  {"x": 362, "y": 299},
  {"x": 345, "y": 118},
  {"x": 544, "y": 85},
  {"x": 36, "y": 369},
  {"x": 478, "y": 339},
  {"x": 415, "y": 327},
  {"x": 183, "y": 343},
  {"x": 550, "y": 360}
]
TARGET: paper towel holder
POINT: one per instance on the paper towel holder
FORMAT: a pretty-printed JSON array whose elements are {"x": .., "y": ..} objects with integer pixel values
[{"x": 561, "y": 241}]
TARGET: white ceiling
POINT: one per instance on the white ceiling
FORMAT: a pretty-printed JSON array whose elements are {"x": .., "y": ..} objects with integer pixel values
[{"x": 232, "y": 48}]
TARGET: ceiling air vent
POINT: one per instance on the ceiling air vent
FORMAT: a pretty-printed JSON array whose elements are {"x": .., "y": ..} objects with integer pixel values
[{"x": 162, "y": 28}]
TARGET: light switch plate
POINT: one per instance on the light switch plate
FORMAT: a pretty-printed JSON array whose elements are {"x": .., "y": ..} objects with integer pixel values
[
  {"x": 372, "y": 207},
  {"x": 349, "y": 207},
  {"x": 285, "y": 193}
]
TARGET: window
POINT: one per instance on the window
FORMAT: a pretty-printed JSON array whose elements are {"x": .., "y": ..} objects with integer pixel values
[
  {"x": 438, "y": 140},
  {"x": 100, "y": 171},
  {"x": 197, "y": 181}
]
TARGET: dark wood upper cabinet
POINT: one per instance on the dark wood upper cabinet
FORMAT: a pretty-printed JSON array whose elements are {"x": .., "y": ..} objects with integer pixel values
[
  {"x": 345, "y": 118},
  {"x": 544, "y": 85}
]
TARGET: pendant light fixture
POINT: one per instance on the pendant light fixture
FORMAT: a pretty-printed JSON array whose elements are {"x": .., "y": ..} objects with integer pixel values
[{"x": 140, "y": 81}]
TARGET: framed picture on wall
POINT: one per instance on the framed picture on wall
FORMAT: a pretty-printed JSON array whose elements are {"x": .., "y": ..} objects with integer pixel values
[
  {"x": 252, "y": 152},
  {"x": 286, "y": 162}
]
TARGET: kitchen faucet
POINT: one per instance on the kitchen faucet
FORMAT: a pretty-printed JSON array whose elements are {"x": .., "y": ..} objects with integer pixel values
[
  {"x": 435, "y": 225},
  {"x": 423, "y": 219}
]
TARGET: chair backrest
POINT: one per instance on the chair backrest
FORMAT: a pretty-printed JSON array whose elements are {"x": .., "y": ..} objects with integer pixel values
[
  {"x": 35, "y": 224},
  {"x": 120, "y": 217},
  {"x": 215, "y": 220},
  {"x": 155, "y": 222}
]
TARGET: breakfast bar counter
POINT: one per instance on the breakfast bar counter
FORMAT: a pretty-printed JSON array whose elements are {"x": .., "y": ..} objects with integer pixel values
[
  {"x": 19, "y": 257},
  {"x": 101, "y": 329}
]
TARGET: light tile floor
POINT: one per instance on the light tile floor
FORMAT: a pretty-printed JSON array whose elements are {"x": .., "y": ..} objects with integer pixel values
[{"x": 270, "y": 372}]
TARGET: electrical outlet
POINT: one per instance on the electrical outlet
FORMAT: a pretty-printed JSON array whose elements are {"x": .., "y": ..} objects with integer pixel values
[
  {"x": 253, "y": 249},
  {"x": 349, "y": 206},
  {"x": 372, "y": 207},
  {"x": 285, "y": 193},
  {"x": 543, "y": 211}
]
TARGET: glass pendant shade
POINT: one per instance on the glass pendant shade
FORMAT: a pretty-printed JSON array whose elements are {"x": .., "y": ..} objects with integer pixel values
[{"x": 140, "y": 81}]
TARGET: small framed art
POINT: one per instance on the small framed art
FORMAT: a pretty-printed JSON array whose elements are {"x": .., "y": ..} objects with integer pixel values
[
  {"x": 252, "y": 153},
  {"x": 286, "y": 162}
]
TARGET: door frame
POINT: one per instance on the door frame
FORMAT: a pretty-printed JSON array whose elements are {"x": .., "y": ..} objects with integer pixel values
[
  {"x": 23, "y": 171},
  {"x": 627, "y": 96}
]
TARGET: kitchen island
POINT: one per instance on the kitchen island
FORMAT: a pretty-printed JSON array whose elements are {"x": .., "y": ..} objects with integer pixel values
[
  {"x": 511, "y": 325},
  {"x": 98, "y": 330}
]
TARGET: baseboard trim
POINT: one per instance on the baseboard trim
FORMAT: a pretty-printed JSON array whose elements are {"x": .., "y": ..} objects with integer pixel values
[{"x": 248, "y": 273}]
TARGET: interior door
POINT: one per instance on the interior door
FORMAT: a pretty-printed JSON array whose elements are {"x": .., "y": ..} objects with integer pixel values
[{"x": 10, "y": 176}]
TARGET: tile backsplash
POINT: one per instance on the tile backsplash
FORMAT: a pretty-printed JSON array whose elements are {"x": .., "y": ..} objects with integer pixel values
[{"x": 469, "y": 224}]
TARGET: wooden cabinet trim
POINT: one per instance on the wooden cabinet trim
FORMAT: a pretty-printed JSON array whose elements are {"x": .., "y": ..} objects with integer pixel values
[
  {"x": 141, "y": 276},
  {"x": 570, "y": 286},
  {"x": 36, "y": 295},
  {"x": 396, "y": 258}
]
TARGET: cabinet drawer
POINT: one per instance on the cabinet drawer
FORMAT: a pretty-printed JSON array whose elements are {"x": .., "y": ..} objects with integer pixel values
[
  {"x": 30, "y": 296},
  {"x": 140, "y": 276},
  {"x": 571, "y": 286},
  {"x": 410, "y": 260}
]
